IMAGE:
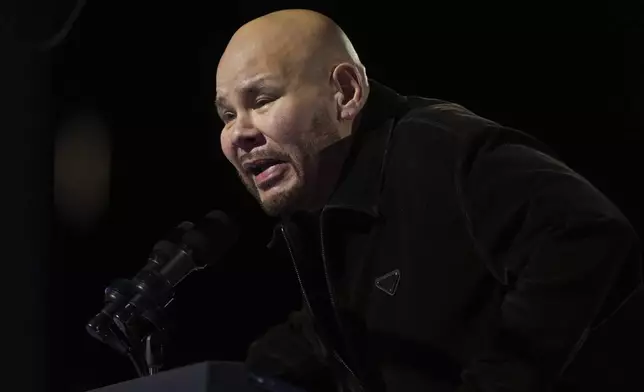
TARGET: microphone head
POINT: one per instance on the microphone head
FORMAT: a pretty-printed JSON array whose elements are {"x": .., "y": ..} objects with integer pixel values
[
  {"x": 211, "y": 238},
  {"x": 164, "y": 249}
]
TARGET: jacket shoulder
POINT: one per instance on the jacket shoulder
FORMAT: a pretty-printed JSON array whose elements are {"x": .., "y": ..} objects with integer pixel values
[
  {"x": 457, "y": 129},
  {"x": 445, "y": 113}
]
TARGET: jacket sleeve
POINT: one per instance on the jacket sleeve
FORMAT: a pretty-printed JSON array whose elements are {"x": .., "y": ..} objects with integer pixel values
[
  {"x": 292, "y": 352},
  {"x": 559, "y": 246}
]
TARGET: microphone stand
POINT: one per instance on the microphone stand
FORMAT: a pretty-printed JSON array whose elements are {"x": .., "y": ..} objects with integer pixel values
[
  {"x": 140, "y": 337},
  {"x": 147, "y": 353}
]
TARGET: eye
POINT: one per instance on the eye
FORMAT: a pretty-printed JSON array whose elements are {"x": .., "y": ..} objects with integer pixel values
[
  {"x": 227, "y": 116},
  {"x": 262, "y": 101}
]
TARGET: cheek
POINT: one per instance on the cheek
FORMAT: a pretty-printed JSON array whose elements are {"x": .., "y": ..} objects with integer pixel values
[
  {"x": 286, "y": 125},
  {"x": 226, "y": 145}
]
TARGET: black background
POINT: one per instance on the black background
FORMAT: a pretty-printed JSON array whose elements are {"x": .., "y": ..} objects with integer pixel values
[{"x": 572, "y": 76}]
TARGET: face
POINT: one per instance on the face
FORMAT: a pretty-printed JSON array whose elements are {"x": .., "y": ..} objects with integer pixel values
[{"x": 275, "y": 130}]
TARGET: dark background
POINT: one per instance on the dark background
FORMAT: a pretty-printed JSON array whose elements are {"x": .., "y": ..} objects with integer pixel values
[{"x": 572, "y": 76}]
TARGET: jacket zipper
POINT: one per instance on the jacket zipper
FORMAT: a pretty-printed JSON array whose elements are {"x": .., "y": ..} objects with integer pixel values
[
  {"x": 297, "y": 272},
  {"x": 306, "y": 298},
  {"x": 333, "y": 303}
]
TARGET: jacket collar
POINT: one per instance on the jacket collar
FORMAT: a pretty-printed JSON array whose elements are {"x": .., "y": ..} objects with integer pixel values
[{"x": 358, "y": 188}]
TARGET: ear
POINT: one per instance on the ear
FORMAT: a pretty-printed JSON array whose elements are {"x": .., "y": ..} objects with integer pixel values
[{"x": 350, "y": 92}]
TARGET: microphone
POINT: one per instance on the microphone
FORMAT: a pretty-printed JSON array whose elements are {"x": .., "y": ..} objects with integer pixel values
[
  {"x": 188, "y": 248},
  {"x": 120, "y": 291},
  {"x": 201, "y": 246}
]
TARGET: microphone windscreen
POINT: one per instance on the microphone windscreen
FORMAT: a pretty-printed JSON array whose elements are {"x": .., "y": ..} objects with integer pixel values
[{"x": 211, "y": 237}]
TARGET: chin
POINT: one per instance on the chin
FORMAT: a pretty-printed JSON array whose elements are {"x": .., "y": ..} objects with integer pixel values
[
  {"x": 275, "y": 206},
  {"x": 280, "y": 200}
]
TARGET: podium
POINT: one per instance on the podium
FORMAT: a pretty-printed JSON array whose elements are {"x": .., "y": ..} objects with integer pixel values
[{"x": 203, "y": 377}]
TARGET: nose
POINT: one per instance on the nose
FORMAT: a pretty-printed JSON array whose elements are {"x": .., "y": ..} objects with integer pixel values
[{"x": 245, "y": 135}]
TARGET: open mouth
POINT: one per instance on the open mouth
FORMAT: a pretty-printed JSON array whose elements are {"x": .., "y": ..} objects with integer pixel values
[{"x": 258, "y": 167}]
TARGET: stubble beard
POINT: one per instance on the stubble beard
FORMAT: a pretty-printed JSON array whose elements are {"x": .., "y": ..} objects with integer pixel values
[
  {"x": 280, "y": 202},
  {"x": 304, "y": 168}
]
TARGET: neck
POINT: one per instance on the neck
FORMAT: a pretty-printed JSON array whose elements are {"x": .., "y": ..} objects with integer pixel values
[{"x": 330, "y": 165}]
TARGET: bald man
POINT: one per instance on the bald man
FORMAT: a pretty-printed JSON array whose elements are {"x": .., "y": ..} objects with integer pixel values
[{"x": 435, "y": 250}]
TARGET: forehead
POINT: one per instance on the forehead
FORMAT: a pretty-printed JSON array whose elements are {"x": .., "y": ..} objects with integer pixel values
[{"x": 254, "y": 61}]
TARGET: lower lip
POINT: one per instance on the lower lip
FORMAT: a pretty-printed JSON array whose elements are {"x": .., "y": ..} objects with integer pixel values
[{"x": 269, "y": 176}]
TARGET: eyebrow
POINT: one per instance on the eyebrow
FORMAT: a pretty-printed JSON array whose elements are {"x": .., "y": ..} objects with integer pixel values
[{"x": 255, "y": 83}]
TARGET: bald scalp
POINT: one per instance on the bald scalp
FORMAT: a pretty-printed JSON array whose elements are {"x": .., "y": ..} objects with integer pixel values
[
  {"x": 302, "y": 44},
  {"x": 320, "y": 40}
]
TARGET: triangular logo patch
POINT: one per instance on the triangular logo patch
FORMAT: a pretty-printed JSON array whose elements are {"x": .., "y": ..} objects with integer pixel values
[{"x": 389, "y": 282}]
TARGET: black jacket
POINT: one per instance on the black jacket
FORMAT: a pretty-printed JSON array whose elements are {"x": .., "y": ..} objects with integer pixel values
[{"x": 454, "y": 255}]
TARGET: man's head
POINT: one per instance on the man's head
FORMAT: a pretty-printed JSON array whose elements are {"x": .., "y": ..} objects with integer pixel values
[{"x": 289, "y": 86}]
